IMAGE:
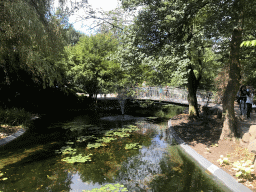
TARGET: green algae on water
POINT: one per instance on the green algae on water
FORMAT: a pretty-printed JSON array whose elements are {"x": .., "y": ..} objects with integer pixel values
[
  {"x": 77, "y": 159},
  {"x": 66, "y": 150},
  {"x": 95, "y": 145},
  {"x": 106, "y": 139},
  {"x": 133, "y": 146},
  {"x": 109, "y": 187},
  {"x": 85, "y": 138}
]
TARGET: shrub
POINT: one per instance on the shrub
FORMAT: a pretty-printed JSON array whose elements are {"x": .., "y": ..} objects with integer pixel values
[
  {"x": 160, "y": 114},
  {"x": 244, "y": 169},
  {"x": 14, "y": 116}
]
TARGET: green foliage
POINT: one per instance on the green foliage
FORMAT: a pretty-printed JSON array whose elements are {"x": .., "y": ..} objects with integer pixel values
[
  {"x": 183, "y": 32},
  {"x": 88, "y": 65},
  {"x": 77, "y": 159},
  {"x": 248, "y": 43},
  {"x": 15, "y": 116},
  {"x": 133, "y": 146},
  {"x": 109, "y": 136},
  {"x": 95, "y": 145},
  {"x": 85, "y": 138},
  {"x": 168, "y": 111},
  {"x": 31, "y": 44},
  {"x": 168, "y": 37},
  {"x": 244, "y": 169},
  {"x": 106, "y": 139},
  {"x": 223, "y": 160},
  {"x": 146, "y": 103},
  {"x": 132, "y": 60},
  {"x": 159, "y": 114},
  {"x": 67, "y": 150},
  {"x": 248, "y": 62},
  {"x": 72, "y": 36}
]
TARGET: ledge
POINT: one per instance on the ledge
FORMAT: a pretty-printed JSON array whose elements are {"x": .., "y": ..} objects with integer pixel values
[
  {"x": 220, "y": 175},
  {"x": 11, "y": 137}
]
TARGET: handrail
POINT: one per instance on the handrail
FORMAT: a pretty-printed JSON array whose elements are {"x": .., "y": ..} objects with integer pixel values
[{"x": 171, "y": 93}]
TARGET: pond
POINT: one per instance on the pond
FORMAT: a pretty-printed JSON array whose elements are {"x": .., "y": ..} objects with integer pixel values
[{"x": 95, "y": 153}]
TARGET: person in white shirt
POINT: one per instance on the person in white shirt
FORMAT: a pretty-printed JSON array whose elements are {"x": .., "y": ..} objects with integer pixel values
[{"x": 249, "y": 102}]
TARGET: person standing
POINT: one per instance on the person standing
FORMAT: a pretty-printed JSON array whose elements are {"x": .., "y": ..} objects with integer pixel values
[
  {"x": 242, "y": 100},
  {"x": 249, "y": 102}
]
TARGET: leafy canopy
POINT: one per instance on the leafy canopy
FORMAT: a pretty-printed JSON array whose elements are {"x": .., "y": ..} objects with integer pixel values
[{"x": 90, "y": 68}]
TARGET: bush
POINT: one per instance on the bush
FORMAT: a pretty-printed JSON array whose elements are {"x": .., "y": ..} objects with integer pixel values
[
  {"x": 14, "y": 116},
  {"x": 168, "y": 111},
  {"x": 160, "y": 114}
]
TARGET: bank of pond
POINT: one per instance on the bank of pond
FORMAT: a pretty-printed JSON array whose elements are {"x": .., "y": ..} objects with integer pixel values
[{"x": 101, "y": 151}]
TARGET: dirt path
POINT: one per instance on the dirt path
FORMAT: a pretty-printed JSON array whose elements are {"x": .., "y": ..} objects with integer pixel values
[{"x": 203, "y": 135}]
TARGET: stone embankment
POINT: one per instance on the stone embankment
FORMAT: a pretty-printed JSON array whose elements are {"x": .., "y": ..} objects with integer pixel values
[{"x": 247, "y": 130}]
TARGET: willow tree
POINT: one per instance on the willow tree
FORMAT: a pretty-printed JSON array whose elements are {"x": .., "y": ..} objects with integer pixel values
[{"x": 31, "y": 43}]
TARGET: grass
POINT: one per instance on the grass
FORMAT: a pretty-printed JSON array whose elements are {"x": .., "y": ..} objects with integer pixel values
[{"x": 14, "y": 117}]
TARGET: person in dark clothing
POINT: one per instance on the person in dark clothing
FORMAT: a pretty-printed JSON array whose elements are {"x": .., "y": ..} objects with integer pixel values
[
  {"x": 249, "y": 102},
  {"x": 242, "y": 97}
]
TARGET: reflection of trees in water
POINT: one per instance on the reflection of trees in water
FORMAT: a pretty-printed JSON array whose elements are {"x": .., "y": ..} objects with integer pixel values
[
  {"x": 139, "y": 170},
  {"x": 107, "y": 161},
  {"x": 159, "y": 129},
  {"x": 159, "y": 169},
  {"x": 180, "y": 174},
  {"x": 37, "y": 176}
]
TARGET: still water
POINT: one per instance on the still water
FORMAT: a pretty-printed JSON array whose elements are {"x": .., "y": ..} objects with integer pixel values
[{"x": 89, "y": 153}]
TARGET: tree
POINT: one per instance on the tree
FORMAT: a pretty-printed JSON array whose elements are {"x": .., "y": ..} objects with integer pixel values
[
  {"x": 134, "y": 64},
  {"x": 179, "y": 22},
  {"x": 238, "y": 17},
  {"x": 72, "y": 36},
  {"x": 31, "y": 45},
  {"x": 174, "y": 30},
  {"x": 89, "y": 66}
]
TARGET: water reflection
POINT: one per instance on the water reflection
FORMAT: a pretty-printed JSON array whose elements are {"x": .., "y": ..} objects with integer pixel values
[
  {"x": 156, "y": 166},
  {"x": 79, "y": 185},
  {"x": 121, "y": 118},
  {"x": 139, "y": 170}
]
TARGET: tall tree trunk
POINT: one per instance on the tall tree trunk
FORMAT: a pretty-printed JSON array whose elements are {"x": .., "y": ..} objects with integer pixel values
[
  {"x": 193, "y": 83},
  {"x": 229, "y": 126}
]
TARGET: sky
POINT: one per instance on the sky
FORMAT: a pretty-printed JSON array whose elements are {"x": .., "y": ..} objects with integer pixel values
[{"x": 84, "y": 26}]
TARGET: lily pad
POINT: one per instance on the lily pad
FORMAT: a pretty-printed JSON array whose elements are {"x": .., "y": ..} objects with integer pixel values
[
  {"x": 133, "y": 146},
  {"x": 85, "y": 138},
  {"x": 109, "y": 133},
  {"x": 77, "y": 159},
  {"x": 109, "y": 187},
  {"x": 122, "y": 134},
  {"x": 95, "y": 145},
  {"x": 106, "y": 139},
  {"x": 69, "y": 142},
  {"x": 66, "y": 150}
]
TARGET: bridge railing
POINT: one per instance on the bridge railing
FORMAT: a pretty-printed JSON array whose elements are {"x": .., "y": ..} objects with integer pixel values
[{"x": 170, "y": 94}]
